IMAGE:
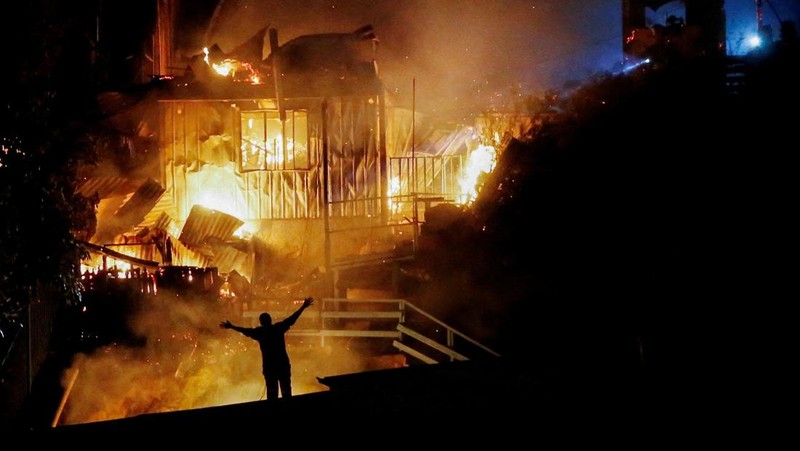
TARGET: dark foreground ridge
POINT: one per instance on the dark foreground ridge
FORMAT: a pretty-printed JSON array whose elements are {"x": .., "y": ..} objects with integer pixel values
[{"x": 457, "y": 401}]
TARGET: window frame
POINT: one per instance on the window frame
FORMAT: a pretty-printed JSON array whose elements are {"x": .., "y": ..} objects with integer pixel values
[{"x": 284, "y": 163}]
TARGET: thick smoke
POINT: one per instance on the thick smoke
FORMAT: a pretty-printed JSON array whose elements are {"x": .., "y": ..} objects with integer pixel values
[
  {"x": 180, "y": 359},
  {"x": 465, "y": 57}
]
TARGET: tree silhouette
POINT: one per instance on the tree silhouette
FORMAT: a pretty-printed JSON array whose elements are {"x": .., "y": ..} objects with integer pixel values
[{"x": 46, "y": 140}]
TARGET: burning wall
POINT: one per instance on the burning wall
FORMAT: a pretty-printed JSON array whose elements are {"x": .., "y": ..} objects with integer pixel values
[{"x": 224, "y": 146}]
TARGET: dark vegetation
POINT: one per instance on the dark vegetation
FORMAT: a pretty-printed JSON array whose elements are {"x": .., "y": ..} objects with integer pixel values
[{"x": 642, "y": 232}]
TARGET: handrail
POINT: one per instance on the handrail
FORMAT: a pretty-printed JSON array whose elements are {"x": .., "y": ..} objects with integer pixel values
[
  {"x": 432, "y": 343},
  {"x": 451, "y": 329},
  {"x": 413, "y": 352},
  {"x": 364, "y": 301},
  {"x": 321, "y": 330},
  {"x": 375, "y": 315},
  {"x": 11, "y": 347}
]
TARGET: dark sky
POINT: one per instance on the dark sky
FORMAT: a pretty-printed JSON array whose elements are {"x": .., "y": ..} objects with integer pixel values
[{"x": 467, "y": 55}]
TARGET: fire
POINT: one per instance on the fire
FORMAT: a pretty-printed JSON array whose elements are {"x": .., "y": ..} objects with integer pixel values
[
  {"x": 394, "y": 189},
  {"x": 271, "y": 150},
  {"x": 233, "y": 68},
  {"x": 479, "y": 162},
  {"x": 117, "y": 267},
  {"x": 225, "y": 291},
  {"x": 214, "y": 199}
]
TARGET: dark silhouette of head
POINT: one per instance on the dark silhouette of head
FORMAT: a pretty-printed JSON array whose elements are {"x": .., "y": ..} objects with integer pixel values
[{"x": 265, "y": 319}]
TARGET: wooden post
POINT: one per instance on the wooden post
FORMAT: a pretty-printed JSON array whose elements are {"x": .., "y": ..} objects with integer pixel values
[
  {"x": 64, "y": 397},
  {"x": 276, "y": 72}
]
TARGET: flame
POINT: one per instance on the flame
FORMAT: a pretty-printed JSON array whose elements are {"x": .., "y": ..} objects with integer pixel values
[
  {"x": 393, "y": 190},
  {"x": 480, "y": 161},
  {"x": 225, "y": 291},
  {"x": 270, "y": 152},
  {"x": 271, "y": 149},
  {"x": 213, "y": 198},
  {"x": 116, "y": 268},
  {"x": 230, "y": 67}
]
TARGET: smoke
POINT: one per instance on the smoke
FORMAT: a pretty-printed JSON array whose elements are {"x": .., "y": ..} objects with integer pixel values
[
  {"x": 462, "y": 58},
  {"x": 180, "y": 359}
]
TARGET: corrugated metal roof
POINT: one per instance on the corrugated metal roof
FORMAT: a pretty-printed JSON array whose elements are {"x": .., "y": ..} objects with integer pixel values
[
  {"x": 162, "y": 214},
  {"x": 185, "y": 256},
  {"x": 141, "y": 202},
  {"x": 204, "y": 223},
  {"x": 227, "y": 258}
]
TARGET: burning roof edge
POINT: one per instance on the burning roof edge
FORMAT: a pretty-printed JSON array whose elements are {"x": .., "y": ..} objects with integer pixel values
[
  {"x": 299, "y": 86},
  {"x": 103, "y": 250}
]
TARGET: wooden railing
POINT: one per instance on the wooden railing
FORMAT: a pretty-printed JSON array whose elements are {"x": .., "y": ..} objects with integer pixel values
[{"x": 413, "y": 330}]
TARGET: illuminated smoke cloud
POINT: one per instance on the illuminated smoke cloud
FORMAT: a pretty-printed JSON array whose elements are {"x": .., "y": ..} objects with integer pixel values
[
  {"x": 479, "y": 55},
  {"x": 185, "y": 361}
]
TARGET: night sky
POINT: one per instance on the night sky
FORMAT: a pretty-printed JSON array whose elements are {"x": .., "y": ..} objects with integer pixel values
[{"x": 466, "y": 56}]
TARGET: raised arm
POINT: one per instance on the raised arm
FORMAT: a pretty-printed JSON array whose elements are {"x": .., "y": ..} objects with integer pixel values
[
  {"x": 307, "y": 302},
  {"x": 228, "y": 325}
]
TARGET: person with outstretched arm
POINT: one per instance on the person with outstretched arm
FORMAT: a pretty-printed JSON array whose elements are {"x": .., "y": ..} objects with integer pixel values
[{"x": 271, "y": 338}]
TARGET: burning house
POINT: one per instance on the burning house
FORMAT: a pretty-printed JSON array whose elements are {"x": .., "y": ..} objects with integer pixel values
[
  {"x": 260, "y": 179},
  {"x": 277, "y": 169}
]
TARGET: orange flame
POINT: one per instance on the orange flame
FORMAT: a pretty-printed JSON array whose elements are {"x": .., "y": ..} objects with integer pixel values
[{"x": 233, "y": 68}]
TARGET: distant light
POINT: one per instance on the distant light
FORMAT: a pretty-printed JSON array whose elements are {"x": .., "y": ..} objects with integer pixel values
[
  {"x": 635, "y": 65},
  {"x": 754, "y": 41}
]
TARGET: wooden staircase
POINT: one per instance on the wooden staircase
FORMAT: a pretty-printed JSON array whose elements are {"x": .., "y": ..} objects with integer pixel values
[{"x": 412, "y": 331}]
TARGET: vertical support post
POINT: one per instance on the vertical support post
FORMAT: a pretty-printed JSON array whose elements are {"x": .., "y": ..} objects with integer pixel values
[
  {"x": 331, "y": 286},
  {"x": 450, "y": 342},
  {"x": 30, "y": 350},
  {"x": 382, "y": 158},
  {"x": 276, "y": 73},
  {"x": 415, "y": 210}
]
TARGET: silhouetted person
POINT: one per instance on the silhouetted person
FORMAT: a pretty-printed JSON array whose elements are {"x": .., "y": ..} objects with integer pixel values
[{"x": 271, "y": 339}]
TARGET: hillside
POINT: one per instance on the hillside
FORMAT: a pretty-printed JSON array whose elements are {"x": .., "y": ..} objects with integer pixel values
[{"x": 644, "y": 229}]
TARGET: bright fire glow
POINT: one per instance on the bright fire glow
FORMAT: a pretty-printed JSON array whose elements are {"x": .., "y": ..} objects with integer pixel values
[
  {"x": 214, "y": 198},
  {"x": 394, "y": 189},
  {"x": 230, "y": 67},
  {"x": 218, "y": 200},
  {"x": 187, "y": 362},
  {"x": 256, "y": 150},
  {"x": 480, "y": 161},
  {"x": 119, "y": 267}
]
